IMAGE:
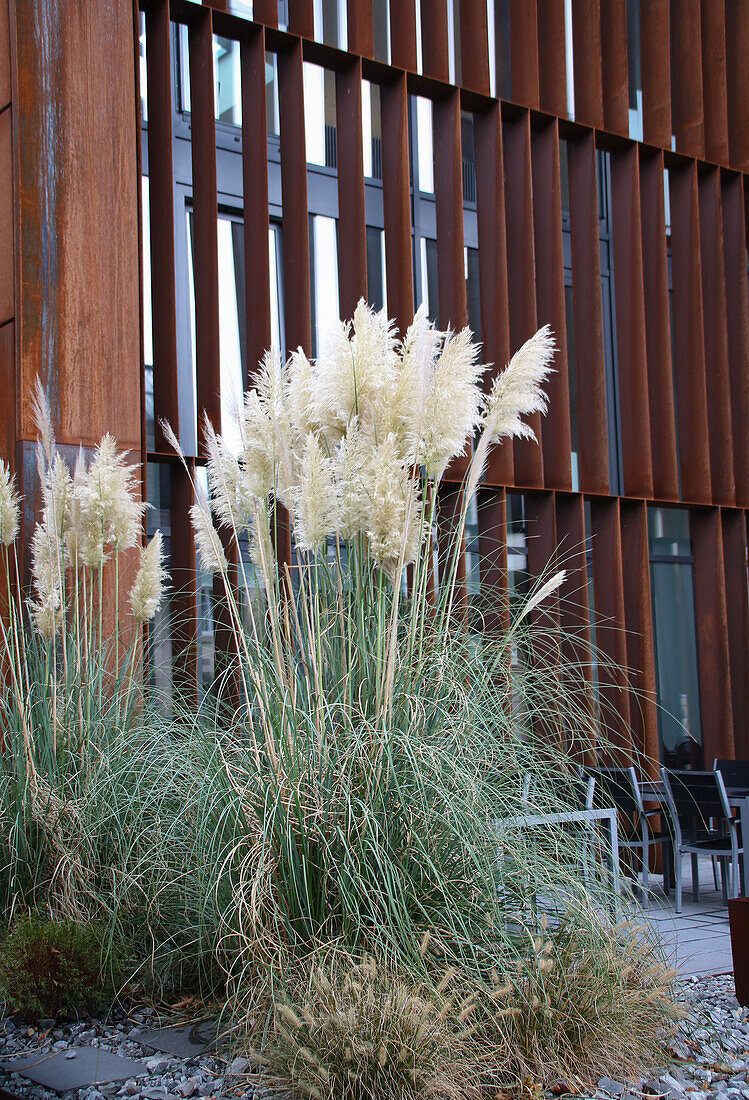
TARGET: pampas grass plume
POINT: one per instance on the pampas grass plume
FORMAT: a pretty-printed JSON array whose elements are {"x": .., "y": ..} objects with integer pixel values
[
  {"x": 517, "y": 390},
  {"x": 9, "y": 506},
  {"x": 148, "y": 589}
]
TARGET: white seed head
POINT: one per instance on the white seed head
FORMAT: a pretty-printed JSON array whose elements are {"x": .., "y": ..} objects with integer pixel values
[
  {"x": 517, "y": 390},
  {"x": 42, "y": 414},
  {"x": 315, "y": 497},
  {"x": 210, "y": 550},
  {"x": 394, "y": 527},
  {"x": 350, "y": 470},
  {"x": 9, "y": 506},
  {"x": 150, "y": 581},
  {"x": 453, "y": 404}
]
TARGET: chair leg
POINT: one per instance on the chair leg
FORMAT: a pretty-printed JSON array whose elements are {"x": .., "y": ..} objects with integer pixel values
[
  {"x": 695, "y": 877},
  {"x": 715, "y": 871},
  {"x": 668, "y": 867},
  {"x": 725, "y": 885},
  {"x": 677, "y": 878},
  {"x": 645, "y": 868}
]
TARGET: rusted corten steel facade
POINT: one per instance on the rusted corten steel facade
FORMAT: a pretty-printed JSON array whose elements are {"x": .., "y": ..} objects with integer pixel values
[{"x": 649, "y": 408}]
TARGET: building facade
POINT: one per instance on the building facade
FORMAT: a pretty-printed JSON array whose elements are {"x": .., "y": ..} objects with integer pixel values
[{"x": 183, "y": 184}]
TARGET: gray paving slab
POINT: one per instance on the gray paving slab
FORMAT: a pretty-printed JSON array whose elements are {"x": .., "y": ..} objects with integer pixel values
[
  {"x": 184, "y": 1042},
  {"x": 74, "y": 1068}
]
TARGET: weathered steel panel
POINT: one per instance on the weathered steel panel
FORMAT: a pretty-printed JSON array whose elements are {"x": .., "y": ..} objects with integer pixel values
[
  {"x": 687, "y": 118},
  {"x": 614, "y": 66},
  {"x": 403, "y": 35},
  {"x": 524, "y": 74},
  {"x": 495, "y": 318},
  {"x": 474, "y": 46},
  {"x": 255, "y": 199},
  {"x": 552, "y": 70},
  {"x": 528, "y": 457},
  {"x": 689, "y": 336},
  {"x": 737, "y": 81},
  {"x": 611, "y": 638},
  {"x": 634, "y": 419},
  {"x": 737, "y": 606},
  {"x": 352, "y": 228},
  {"x": 737, "y": 317},
  {"x": 360, "y": 27},
  {"x": 656, "y": 72},
  {"x": 77, "y": 207},
  {"x": 717, "y": 368},
  {"x": 8, "y": 392},
  {"x": 397, "y": 202},
  {"x": 658, "y": 329},
  {"x": 205, "y": 217},
  {"x": 296, "y": 274},
  {"x": 714, "y": 86},
  {"x": 586, "y": 286},
  {"x": 550, "y": 301},
  {"x": 643, "y": 711},
  {"x": 711, "y": 618},
  {"x": 7, "y": 265},
  {"x": 588, "y": 72},
  {"x": 434, "y": 44},
  {"x": 5, "y": 79}
]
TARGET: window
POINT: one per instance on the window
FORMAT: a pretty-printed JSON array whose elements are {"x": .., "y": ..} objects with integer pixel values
[
  {"x": 634, "y": 66},
  {"x": 569, "y": 58},
  {"x": 320, "y": 116},
  {"x": 381, "y": 29},
  {"x": 376, "y": 281},
  {"x": 330, "y": 22},
  {"x": 323, "y": 277},
  {"x": 424, "y": 146},
  {"x": 371, "y": 130},
  {"x": 671, "y": 572}
]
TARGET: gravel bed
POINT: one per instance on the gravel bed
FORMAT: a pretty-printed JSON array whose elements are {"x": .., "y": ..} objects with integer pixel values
[
  {"x": 709, "y": 1056},
  {"x": 208, "y": 1075}
]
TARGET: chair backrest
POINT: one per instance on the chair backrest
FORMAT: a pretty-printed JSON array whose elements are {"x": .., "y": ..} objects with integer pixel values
[
  {"x": 695, "y": 798},
  {"x": 617, "y": 787},
  {"x": 735, "y": 772}
]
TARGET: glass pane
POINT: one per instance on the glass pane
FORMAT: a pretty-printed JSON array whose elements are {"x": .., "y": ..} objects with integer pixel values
[
  {"x": 147, "y": 313},
  {"x": 473, "y": 293},
  {"x": 569, "y": 58},
  {"x": 330, "y": 22},
  {"x": 676, "y": 661},
  {"x": 230, "y": 358},
  {"x": 424, "y": 145},
  {"x": 572, "y": 382},
  {"x": 564, "y": 175},
  {"x": 325, "y": 308},
  {"x": 319, "y": 116},
  {"x": 227, "y": 70},
  {"x": 371, "y": 130},
  {"x": 668, "y": 532},
  {"x": 143, "y": 68},
  {"x": 271, "y": 94},
  {"x": 453, "y": 41},
  {"x": 376, "y": 288},
  {"x": 469, "y": 158},
  {"x": 381, "y": 27},
  {"x": 428, "y": 281}
]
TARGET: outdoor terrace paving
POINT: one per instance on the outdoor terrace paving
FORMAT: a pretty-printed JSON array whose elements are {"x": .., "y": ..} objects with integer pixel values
[{"x": 697, "y": 940}]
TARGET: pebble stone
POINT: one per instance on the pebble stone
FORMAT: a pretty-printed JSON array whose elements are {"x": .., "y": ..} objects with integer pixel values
[{"x": 706, "y": 1059}]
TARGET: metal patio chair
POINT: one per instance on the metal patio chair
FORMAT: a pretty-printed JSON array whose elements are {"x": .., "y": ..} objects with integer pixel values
[
  {"x": 618, "y": 787},
  {"x": 703, "y": 826}
]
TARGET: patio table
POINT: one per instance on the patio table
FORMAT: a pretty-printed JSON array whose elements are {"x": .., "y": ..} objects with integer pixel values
[
  {"x": 738, "y": 797},
  {"x": 607, "y": 815}
]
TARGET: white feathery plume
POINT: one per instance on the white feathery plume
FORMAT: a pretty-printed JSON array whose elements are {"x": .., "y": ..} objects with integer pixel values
[
  {"x": 57, "y": 488},
  {"x": 148, "y": 589},
  {"x": 300, "y": 395},
  {"x": 76, "y": 517},
  {"x": 517, "y": 390},
  {"x": 42, "y": 414},
  {"x": 45, "y": 572},
  {"x": 418, "y": 352},
  {"x": 315, "y": 497},
  {"x": 272, "y": 389},
  {"x": 9, "y": 505},
  {"x": 350, "y": 469},
  {"x": 113, "y": 492},
  {"x": 355, "y": 366},
  {"x": 225, "y": 483},
  {"x": 171, "y": 438},
  {"x": 210, "y": 550},
  {"x": 394, "y": 509},
  {"x": 258, "y": 460},
  {"x": 261, "y": 544},
  {"x": 453, "y": 404},
  {"x": 541, "y": 594}
]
